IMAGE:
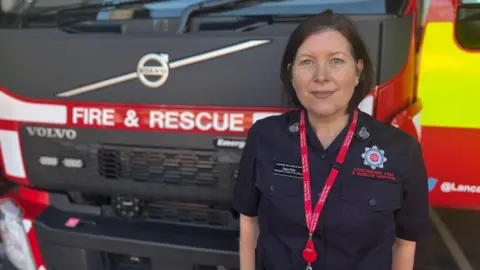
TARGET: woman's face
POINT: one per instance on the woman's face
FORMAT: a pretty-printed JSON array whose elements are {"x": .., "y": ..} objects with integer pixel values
[{"x": 324, "y": 73}]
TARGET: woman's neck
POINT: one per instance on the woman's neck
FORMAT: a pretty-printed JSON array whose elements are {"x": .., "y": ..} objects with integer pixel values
[{"x": 328, "y": 127}]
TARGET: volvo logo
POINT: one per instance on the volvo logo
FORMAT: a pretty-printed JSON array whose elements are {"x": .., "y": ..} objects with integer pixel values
[
  {"x": 160, "y": 67},
  {"x": 52, "y": 133},
  {"x": 159, "y": 71}
]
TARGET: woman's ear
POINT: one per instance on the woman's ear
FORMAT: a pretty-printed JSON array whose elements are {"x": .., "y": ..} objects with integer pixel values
[{"x": 359, "y": 69}]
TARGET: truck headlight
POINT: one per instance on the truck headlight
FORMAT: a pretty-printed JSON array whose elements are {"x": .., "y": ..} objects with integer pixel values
[{"x": 17, "y": 247}]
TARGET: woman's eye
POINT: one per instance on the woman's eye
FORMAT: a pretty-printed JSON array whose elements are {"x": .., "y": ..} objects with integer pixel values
[
  {"x": 306, "y": 62},
  {"x": 337, "y": 61}
]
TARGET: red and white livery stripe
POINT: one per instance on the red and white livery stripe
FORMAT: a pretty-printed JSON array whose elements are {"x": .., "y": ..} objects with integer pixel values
[
  {"x": 13, "y": 109},
  {"x": 17, "y": 110},
  {"x": 11, "y": 154}
]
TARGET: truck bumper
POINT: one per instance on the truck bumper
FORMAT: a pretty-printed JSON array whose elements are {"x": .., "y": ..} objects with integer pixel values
[
  {"x": 103, "y": 242},
  {"x": 108, "y": 243}
]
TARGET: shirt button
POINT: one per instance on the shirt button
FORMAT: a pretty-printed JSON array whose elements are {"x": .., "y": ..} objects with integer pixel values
[
  {"x": 373, "y": 202},
  {"x": 322, "y": 156},
  {"x": 272, "y": 187}
]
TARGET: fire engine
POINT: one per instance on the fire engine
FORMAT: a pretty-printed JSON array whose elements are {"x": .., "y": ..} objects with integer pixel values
[
  {"x": 447, "y": 85},
  {"x": 122, "y": 122}
]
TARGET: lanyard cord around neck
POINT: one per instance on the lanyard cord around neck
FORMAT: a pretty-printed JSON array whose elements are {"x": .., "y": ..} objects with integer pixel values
[{"x": 309, "y": 254}]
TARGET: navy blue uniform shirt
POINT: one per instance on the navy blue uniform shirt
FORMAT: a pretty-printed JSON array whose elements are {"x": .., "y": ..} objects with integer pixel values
[{"x": 380, "y": 193}]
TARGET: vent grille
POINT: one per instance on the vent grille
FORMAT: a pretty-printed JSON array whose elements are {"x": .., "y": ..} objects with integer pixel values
[
  {"x": 191, "y": 215},
  {"x": 160, "y": 165}
]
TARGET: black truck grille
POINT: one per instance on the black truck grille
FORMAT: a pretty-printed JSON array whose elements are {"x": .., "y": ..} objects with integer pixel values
[
  {"x": 191, "y": 215},
  {"x": 160, "y": 165},
  {"x": 203, "y": 176}
]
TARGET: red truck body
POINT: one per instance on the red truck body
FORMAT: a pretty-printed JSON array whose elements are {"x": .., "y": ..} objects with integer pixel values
[{"x": 121, "y": 137}]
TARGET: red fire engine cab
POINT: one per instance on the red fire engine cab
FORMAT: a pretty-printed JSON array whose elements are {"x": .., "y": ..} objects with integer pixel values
[{"x": 122, "y": 122}]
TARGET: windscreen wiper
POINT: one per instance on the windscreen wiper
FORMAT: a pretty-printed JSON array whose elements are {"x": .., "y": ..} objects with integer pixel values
[
  {"x": 214, "y": 6},
  {"x": 59, "y": 11}
]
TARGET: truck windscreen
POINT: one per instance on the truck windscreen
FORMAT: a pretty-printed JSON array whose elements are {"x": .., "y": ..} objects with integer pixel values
[
  {"x": 367, "y": 7},
  {"x": 467, "y": 25},
  {"x": 278, "y": 7},
  {"x": 301, "y": 6}
]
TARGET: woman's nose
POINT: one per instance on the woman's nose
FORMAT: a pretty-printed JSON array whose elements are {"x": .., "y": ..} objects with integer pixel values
[{"x": 321, "y": 73}]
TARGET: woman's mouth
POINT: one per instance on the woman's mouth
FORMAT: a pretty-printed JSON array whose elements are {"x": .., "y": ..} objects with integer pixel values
[{"x": 322, "y": 94}]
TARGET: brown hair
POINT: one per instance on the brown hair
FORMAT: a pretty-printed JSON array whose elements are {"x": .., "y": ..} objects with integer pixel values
[{"x": 317, "y": 23}]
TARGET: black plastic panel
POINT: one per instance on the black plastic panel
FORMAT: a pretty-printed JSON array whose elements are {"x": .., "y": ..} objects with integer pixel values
[
  {"x": 396, "y": 39},
  {"x": 245, "y": 78},
  {"x": 101, "y": 243},
  {"x": 162, "y": 166}
]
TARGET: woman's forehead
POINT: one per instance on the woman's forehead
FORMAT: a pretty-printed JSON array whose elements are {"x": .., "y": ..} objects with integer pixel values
[{"x": 325, "y": 43}]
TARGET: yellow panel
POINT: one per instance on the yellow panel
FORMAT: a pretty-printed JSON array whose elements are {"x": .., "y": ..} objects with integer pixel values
[{"x": 449, "y": 80}]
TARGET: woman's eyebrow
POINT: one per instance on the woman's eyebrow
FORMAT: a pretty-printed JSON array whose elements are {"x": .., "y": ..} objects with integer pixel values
[
  {"x": 306, "y": 54},
  {"x": 337, "y": 52}
]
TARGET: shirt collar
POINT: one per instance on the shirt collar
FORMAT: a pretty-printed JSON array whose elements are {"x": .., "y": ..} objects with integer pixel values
[{"x": 363, "y": 131}]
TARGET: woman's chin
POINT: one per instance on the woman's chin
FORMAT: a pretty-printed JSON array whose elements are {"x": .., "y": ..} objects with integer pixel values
[{"x": 324, "y": 110}]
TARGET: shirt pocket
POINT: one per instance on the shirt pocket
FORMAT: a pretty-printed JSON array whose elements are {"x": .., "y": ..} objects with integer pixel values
[
  {"x": 274, "y": 184},
  {"x": 369, "y": 206},
  {"x": 368, "y": 212},
  {"x": 281, "y": 201}
]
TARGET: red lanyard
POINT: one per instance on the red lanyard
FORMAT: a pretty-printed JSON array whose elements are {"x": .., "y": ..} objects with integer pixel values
[{"x": 309, "y": 253}]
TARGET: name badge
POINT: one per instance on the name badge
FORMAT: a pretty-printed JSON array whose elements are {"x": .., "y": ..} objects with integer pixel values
[{"x": 288, "y": 170}]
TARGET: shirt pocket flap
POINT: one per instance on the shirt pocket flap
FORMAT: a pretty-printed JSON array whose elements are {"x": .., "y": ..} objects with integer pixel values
[
  {"x": 278, "y": 184},
  {"x": 372, "y": 194}
]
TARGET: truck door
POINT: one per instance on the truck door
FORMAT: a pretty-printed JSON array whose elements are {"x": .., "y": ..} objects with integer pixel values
[{"x": 449, "y": 81}]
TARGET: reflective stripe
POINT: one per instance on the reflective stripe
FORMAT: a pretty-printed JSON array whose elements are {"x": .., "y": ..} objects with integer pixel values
[
  {"x": 12, "y": 154},
  {"x": 449, "y": 80}
]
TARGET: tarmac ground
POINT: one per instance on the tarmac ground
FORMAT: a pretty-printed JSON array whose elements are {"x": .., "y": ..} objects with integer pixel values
[{"x": 454, "y": 241}]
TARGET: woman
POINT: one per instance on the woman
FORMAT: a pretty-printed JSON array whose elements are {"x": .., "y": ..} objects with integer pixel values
[{"x": 370, "y": 177}]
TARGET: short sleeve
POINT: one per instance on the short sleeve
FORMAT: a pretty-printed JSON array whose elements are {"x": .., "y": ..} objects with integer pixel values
[
  {"x": 245, "y": 194},
  {"x": 412, "y": 220}
]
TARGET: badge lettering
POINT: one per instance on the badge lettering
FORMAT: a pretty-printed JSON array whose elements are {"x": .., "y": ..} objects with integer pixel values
[
  {"x": 448, "y": 187},
  {"x": 52, "y": 133},
  {"x": 160, "y": 118},
  {"x": 230, "y": 143},
  {"x": 204, "y": 121},
  {"x": 93, "y": 116},
  {"x": 289, "y": 170},
  {"x": 373, "y": 174}
]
